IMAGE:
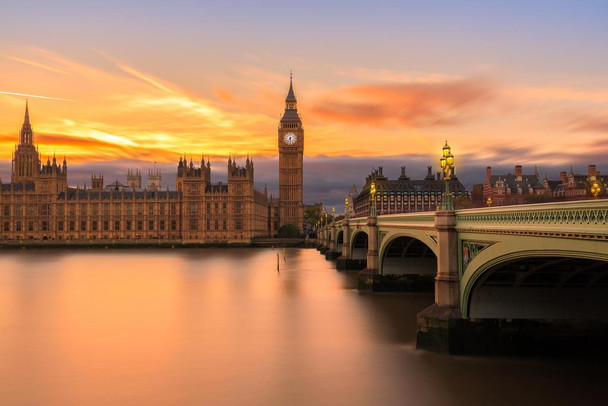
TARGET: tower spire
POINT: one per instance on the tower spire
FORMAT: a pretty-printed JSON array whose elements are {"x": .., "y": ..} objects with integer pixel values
[
  {"x": 291, "y": 97},
  {"x": 26, "y": 130}
]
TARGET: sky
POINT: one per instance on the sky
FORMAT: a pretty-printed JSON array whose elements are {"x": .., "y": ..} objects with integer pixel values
[{"x": 122, "y": 84}]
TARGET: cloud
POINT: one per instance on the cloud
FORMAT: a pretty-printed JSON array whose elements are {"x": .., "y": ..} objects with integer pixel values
[
  {"x": 591, "y": 124},
  {"x": 426, "y": 104}
]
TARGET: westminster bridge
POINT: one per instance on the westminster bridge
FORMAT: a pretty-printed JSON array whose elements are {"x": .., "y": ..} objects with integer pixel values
[{"x": 512, "y": 272}]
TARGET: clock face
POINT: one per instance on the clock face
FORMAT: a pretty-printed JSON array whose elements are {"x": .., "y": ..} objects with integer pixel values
[{"x": 290, "y": 138}]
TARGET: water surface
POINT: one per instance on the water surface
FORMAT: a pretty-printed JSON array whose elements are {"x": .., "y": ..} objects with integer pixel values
[{"x": 222, "y": 326}]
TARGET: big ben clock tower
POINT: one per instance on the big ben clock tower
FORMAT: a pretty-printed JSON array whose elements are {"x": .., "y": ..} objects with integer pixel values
[{"x": 291, "y": 153}]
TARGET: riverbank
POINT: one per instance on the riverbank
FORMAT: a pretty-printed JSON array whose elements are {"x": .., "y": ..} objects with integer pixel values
[{"x": 154, "y": 243}]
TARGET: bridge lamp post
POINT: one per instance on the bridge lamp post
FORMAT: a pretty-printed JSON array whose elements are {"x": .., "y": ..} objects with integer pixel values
[
  {"x": 346, "y": 208},
  {"x": 333, "y": 214},
  {"x": 489, "y": 201},
  {"x": 447, "y": 163},
  {"x": 372, "y": 193},
  {"x": 596, "y": 189}
]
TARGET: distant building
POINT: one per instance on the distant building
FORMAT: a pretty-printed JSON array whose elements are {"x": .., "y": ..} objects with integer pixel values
[
  {"x": 506, "y": 189},
  {"x": 404, "y": 195},
  {"x": 154, "y": 180},
  {"x": 517, "y": 188},
  {"x": 351, "y": 196},
  {"x": 573, "y": 186}
]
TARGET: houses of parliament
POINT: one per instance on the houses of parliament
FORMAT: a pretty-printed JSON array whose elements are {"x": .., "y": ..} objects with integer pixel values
[{"x": 39, "y": 204}]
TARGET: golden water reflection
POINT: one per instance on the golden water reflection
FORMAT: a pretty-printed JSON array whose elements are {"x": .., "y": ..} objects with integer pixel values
[{"x": 222, "y": 326}]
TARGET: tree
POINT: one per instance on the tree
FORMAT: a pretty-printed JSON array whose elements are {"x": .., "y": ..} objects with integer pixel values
[
  {"x": 288, "y": 231},
  {"x": 312, "y": 213}
]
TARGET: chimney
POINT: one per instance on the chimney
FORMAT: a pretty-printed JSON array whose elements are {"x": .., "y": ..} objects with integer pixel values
[
  {"x": 563, "y": 177},
  {"x": 403, "y": 171},
  {"x": 380, "y": 171},
  {"x": 518, "y": 172},
  {"x": 591, "y": 171},
  {"x": 438, "y": 175},
  {"x": 488, "y": 172},
  {"x": 429, "y": 169}
]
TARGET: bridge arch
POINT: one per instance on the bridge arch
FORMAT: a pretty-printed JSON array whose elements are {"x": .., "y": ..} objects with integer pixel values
[
  {"x": 359, "y": 245},
  {"x": 403, "y": 253},
  {"x": 339, "y": 240},
  {"x": 536, "y": 284}
]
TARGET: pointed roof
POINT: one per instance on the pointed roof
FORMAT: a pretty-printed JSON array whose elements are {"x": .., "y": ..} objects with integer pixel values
[
  {"x": 291, "y": 97},
  {"x": 26, "y": 120}
]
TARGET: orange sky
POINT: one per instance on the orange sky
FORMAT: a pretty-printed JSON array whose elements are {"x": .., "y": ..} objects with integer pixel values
[{"x": 372, "y": 82}]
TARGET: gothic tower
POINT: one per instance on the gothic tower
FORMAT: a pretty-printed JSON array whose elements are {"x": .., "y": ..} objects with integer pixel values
[
  {"x": 26, "y": 161},
  {"x": 291, "y": 153}
]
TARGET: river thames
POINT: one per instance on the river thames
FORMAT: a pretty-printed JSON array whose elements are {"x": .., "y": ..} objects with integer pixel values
[{"x": 222, "y": 326}]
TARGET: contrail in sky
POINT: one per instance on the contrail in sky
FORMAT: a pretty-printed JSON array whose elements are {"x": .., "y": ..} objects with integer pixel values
[{"x": 34, "y": 95}]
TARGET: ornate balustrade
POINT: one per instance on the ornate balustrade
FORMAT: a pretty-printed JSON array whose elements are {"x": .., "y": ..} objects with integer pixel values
[{"x": 580, "y": 219}]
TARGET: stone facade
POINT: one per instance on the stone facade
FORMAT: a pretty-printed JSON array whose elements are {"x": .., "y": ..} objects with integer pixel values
[
  {"x": 291, "y": 164},
  {"x": 405, "y": 195},
  {"x": 38, "y": 204},
  {"x": 518, "y": 188}
]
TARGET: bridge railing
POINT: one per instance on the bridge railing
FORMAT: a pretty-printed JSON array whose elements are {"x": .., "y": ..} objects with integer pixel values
[{"x": 577, "y": 219}]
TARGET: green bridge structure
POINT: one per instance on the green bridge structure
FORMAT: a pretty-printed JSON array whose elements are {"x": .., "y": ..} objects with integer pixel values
[{"x": 506, "y": 279}]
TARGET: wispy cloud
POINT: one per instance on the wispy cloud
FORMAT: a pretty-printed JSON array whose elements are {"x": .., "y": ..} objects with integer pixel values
[
  {"x": 36, "y": 96},
  {"x": 36, "y": 64},
  {"x": 407, "y": 104}
]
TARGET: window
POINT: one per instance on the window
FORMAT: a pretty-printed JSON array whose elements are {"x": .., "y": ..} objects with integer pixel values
[
  {"x": 83, "y": 225},
  {"x": 72, "y": 225},
  {"x": 19, "y": 210},
  {"x": 162, "y": 224},
  {"x": 106, "y": 209},
  {"x": 223, "y": 224},
  {"x": 216, "y": 224},
  {"x": 30, "y": 226},
  {"x": 151, "y": 225},
  {"x": 150, "y": 209},
  {"x": 31, "y": 209},
  {"x": 106, "y": 225},
  {"x": 117, "y": 226},
  {"x": 140, "y": 209},
  {"x": 173, "y": 208},
  {"x": 95, "y": 209},
  {"x": 192, "y": 209},
  {"x": 60, "y": 225},
  {"x": 238, "y": 224},
  {"x": 128, "y": 225},
  {"x": 18, "y": 226},
  {"x": 94, "y": 225},
  {"x": 192, "y": 225},
  {"x": 7, "y": 210},
  {"x": 6, "y": 226},
  {"x": 140, "y": 225},
  {"x": 60, "y": 209},
  {"x": 129, "y": 209},
  {"x": 117, "y": 209},
  {"x": 83, "y": 208},
  {"x": 173, "y": 225}
]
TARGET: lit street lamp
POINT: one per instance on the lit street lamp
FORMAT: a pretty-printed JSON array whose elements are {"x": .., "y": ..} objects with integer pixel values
[
  {"x": 596, "y": 189},
  {"x": 346, "y": 208},
  {"x": 489, "y": 201},
  {"x": 372, "y": 193},
  {"x": 447, "y": 163}
]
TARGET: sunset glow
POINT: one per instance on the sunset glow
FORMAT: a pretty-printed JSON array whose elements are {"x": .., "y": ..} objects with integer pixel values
[{"x": 217, "y": 87}]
